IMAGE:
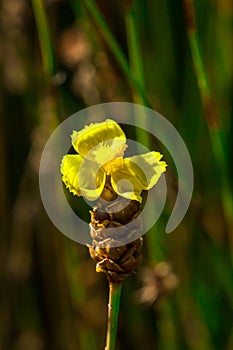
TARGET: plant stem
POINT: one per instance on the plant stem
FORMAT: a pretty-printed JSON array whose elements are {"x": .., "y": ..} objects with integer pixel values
[
  {"x": 212, "y": 118},
  {"x": 44, "y": 37},
  {"x": 115, "y": 48},
  {"x": 136, "y": 64},
  {"x": 134, "y": 48},
  {"x": 113, "y": 312}
]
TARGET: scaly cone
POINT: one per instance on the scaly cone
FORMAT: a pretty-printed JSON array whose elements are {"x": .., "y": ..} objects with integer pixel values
[{"x": 116, "y": 229}]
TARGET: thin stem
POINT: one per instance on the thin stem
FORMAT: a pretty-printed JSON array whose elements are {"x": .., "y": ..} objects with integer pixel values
[
  {"x": 113, "y": 312},
  {"x": 115, "y": 48},
  {"x": 134, "y": 47},
  {"x": 212, "y": 119},
  {"x": 44, "y": 37},
  {"x": 136, "y": 64}
]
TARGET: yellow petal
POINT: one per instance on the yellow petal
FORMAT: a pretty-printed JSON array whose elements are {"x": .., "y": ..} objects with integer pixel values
[
  {"x": 70, "y": 168},
  {"x": 147, "y": 168},
  {"x": 126, "y": 184},
  {"x": 105, "y": 140},
  {"x": 136, "y": 174},
  {"x": 91, "y": 180},
  {"x": 82, "y": 178}
]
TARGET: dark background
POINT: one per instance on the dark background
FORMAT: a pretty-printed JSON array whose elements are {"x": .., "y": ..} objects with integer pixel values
[{"x": 50, "y": 296}]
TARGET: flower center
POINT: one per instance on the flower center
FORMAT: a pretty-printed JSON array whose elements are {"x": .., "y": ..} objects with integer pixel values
[
  {"x": 108, "y": 150},
  {"x": 112, "y": 165}
]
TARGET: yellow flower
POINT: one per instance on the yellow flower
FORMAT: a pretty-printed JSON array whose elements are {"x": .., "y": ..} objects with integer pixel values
[{"x": 100, "y": 148}]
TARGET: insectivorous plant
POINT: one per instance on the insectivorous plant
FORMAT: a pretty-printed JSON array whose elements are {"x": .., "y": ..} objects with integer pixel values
[{"x": 101, "y": 174}]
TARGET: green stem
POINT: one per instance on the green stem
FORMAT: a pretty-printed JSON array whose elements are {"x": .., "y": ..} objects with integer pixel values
[
  {"x": 44, "y": 37},
  {"x": 212, "y": 119},
  {"x": 115, "y": 48},
  {"x": 113, "y": 312},
  {"x": 134, "y": 47},
  {"x": 136, "y": 64}
]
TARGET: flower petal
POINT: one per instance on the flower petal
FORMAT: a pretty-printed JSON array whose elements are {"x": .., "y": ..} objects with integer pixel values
[
  {"x": 96, "y": 134},
  {"x": 125, "y": 183},
  {"x": 136, "y": 174},
  {"x": 147, "y": 167},
  {"x": 82, "y": 177},
  {"x": 70, "y": 168},
  {"x": 91, "y": 180}
]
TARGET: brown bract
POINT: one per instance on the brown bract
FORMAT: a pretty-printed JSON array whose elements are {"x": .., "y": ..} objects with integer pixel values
[{"x": 117, "y": 246}]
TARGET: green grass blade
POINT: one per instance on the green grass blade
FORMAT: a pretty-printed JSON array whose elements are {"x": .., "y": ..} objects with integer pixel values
[
  {"x": 44, "y": 37},
  {"x": 134, "y": 47},
  {"x": 212, "y": 119},
  {"x": 115, "y": 48}
]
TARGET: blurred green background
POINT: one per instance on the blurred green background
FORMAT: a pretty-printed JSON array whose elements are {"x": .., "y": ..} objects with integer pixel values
[{"x": 58, "y": 57}]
